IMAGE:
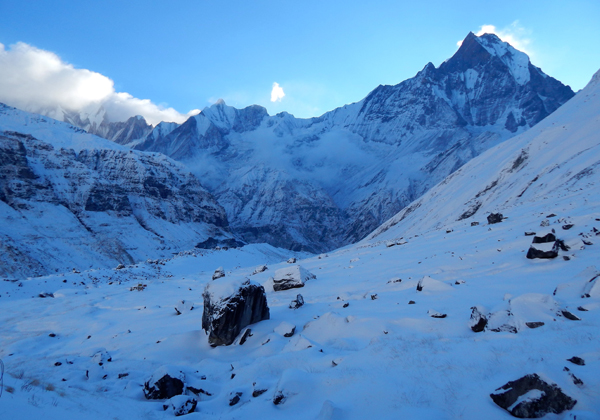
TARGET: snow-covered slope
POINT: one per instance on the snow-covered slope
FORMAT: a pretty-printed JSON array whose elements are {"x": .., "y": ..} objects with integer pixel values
[
  {"x": 69, "y": 199},
  {"x": 354, "y": 167},
  {"x": 552, "y": 168},
  {"x": 385, "y": 329}
]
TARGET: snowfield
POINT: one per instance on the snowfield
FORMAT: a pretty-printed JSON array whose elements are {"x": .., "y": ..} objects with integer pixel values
[{"x": 360, "y": 349}]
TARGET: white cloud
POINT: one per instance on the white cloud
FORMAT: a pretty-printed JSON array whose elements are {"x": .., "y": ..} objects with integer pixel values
[
  {"x": 514, "y": 34},
  {"x": 277, "y": 93},
  {"x": 39, "y": 81}
]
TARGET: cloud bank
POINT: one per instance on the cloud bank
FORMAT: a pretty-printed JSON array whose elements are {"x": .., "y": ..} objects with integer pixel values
[
  {"x": 277, "y": 93},
  {"x": 39, "y": 81},
  {"x": 514, "y": 34}
]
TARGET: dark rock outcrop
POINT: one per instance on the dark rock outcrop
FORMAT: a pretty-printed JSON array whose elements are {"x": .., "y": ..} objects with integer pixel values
[
  {"x": 228, "y": 308},
  {"x": 532, "y": 397}
]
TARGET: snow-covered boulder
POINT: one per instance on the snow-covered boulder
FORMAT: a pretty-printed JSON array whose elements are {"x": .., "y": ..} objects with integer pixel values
[
  {"x": 165, "y": 382},
  {"x": 432, "y": 285},
  {"x": 230, "y": 306},
  {"x": 181, "y": 405},
  {"x": 219, "y": 272},
  {"x": 184, "y": 306},
  {"x": 291, "y": 277},
  {"x": 532, "y": 397},
  {"x": 545, "y": 246},
  {"x": 260, "y": 269},
  {"x": 478, "y": 320}
]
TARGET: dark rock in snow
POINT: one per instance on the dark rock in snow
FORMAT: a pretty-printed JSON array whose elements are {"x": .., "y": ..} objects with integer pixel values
[
  {"x": 435, "y": 314},
  {"x": 345, "y": 305},
  {"x": 567, "y": 227},
  {"x": 285, "y": 329},
  {"x": 166, "y": 382},
  {"x": 577, "y": 360},
  {"x": 235, "y": 399},
  {"x": 569, "y": 315},
  {"x": 291, "y": 261},
  {"x": 298, "y": 302},
  {"x": 532, "y": 397},
  {"x": 549, "y": 237},
  {"x": 582, "y": 309},
  {"x": 258, "y": 392},
  {"x": 529, "y": 233},
  {"x": 478, "y": 320},
  {"x": 46, "y": 295},
  {"x": 279, "y": 398},
  {"x": 534, "y": 324},
  {"x": 474, "y": 223},
  {"x": 230, "y": 307},
  {"x": 291, "y": 277},
  {"x": 181, "y": 405},
  {"x": 411, "y": 302},
  {"x": 540, "y": 252},
  {"x": 494, "y": 218}
]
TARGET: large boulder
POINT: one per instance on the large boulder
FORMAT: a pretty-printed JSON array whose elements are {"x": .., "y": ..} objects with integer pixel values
[
  {"x": 532, "y": 397},
  {"x": 291, "y": 277},
  {"x": 546, "y": 246},
  {"x": 165, "y": 383},
  {"x": 230, "y": 306}
]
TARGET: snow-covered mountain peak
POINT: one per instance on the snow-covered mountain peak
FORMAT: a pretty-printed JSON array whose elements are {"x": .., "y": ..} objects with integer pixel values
[{"x": 517, "y": 61}]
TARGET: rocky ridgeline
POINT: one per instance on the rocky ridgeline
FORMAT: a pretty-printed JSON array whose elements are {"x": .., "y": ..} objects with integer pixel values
[{"x": 99, "y": 207}]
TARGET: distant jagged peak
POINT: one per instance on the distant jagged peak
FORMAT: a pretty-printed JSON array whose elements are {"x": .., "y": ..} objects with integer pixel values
[{"x": 477, "y": 50}]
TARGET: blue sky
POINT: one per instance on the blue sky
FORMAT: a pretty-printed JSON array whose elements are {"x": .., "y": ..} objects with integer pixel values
[{"x": 323, "y": 54}]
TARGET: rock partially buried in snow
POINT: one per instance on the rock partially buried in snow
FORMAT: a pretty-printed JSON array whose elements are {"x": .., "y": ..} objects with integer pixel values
[
  {"x": 230, "y": 306},
  {"x": 260, "y": 269},
  {"x": 285, "y": 329},
  {"x": 219, "y": 272},
  {"x": 291, "y": 277},
  {"x": 298, "y": 302},
  {"x": 431, "y": 285},
  {"x": 292, "y": 261},
  {"x": 166, "y": 382},
  {"x": 478, "y": 320},
  {"x": 532, "y": 397},
  {"x": 184, "y": 306},
  {"x": 181, "y": 405}
]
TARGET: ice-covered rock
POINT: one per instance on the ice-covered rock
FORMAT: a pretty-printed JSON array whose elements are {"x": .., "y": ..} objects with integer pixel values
[
  {"x": 230, "y": 306},
  {"x": 184, "y": 306},
  {"x": 291, "y": 277}
]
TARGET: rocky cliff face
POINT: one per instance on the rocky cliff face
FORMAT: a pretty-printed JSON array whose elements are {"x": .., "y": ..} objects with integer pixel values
[
  {"x": 318, "y": 183},
  {"x": 64, "y": 206}
]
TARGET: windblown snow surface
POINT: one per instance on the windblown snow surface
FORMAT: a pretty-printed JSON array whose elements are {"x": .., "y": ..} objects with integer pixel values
[{"x": 360, "y": 350}]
